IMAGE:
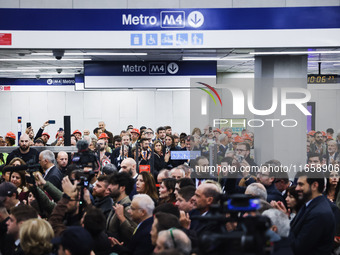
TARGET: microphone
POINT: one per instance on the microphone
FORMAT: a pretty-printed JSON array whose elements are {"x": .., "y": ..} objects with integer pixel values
[{"x": 4, "y": 168}]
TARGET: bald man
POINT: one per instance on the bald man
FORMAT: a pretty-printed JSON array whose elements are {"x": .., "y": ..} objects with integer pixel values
[
  {"x": 24, "y": 151},
  {"x": 205, "y": 196},
  {"x": 129, "y": 165},
  {"x": 62, "y": 161}
]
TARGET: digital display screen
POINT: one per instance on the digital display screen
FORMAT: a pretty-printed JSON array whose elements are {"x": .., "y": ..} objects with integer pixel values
[{"x": 322, "y": 78}]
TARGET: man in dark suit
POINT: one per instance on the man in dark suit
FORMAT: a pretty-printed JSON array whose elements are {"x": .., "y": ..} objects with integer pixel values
[
  {"x": 313, "y": 228},
  {"x": 332, "y": 154},
  {"x": 206, "y": 195},
  {"x": 51, "y": 172},
  {"x": 266, "y": 176},
  {"x": 141, "y": 212}
]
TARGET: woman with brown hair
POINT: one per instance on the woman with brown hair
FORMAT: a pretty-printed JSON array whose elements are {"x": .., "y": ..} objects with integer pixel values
[
  {"x": 146, "y": 185},
  {"x": 18, "y": 178},
  {"x": 166, "y": 191},
  {"x": 160, "y": 161}
]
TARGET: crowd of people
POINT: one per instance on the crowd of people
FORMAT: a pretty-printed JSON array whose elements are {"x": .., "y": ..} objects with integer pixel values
[{"x": 131, "y": 194}]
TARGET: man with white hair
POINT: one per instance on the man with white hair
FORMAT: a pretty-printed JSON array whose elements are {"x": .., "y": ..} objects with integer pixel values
[
  {"x": 257, "y": 190},
  {"x": 141, "y": 210},
  {"x": 281, "y": 226},
  {"x": 177, "y": 173},
  {"x": 163, "y": 174},
  {"x": 51, "y": 172},
  {"x": 224, "y": 141},
  {"x": 173, "y": 239},
  {"x": 332, "y": 154}
]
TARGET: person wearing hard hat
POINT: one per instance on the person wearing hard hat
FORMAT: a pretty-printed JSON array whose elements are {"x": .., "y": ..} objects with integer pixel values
[
  {"x": 102, "y": 126},
  {"x": 77, "y": 134},
  {"x": 106, "y": 138},
  {"x": 45, "y": 137},
  {"x": 134, "y": 136},
  {"x": 10, "y": 139}
]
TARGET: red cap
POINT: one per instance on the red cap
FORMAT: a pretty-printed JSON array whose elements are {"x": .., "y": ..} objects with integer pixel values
[
  {"x": 46, "y": 135},
  {"x": 329, "y": 137},
  {"x": 103, "y": 136},
  {"x": 238, "y": 139},
  {"x": 323, "y": 133},
  {"x": 312, "y": 133},
  {"x": 217, "y": 130},
  {"x": 10, "y": 135},
  {"x": 228, "y": 133},
  {"x": 135, "y": 130},
  {"x": 76, "y": 131},
  {"x": 247, "y": 137}
]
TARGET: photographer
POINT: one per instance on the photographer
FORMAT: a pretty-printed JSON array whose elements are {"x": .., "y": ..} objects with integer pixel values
[
  {"x": 85, "y": 158},
  {"x": 68, "y": 207}
]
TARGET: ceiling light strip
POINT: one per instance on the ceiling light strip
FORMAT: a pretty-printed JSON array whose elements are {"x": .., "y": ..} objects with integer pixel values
[
  {"x": 294, "y": 52},
  {"x": 93, "y": 54},
  {"x": 43, "y": 59}
]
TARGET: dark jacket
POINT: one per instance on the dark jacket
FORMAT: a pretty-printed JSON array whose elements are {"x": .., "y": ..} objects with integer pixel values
[
  {"x": 110, "y": 135},
  {"x": 202, "y": 227},
  {"x": 282, "y": 247},
  {"x": 313, "y": 231},
  {"x": 140, "y": 243},
  {"x": 55, "y": 177},
  {"x": 32, "y": 154},
  {"x": 104, "y": 204},
  {"x": 274, "y": 194}
]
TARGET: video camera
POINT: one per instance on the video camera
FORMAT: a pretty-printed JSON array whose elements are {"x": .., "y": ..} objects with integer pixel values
[
  {"x": 83, "y": 178},
  {"x": 84, "y": 157},
  {"x": 30, "y": 168},
  {"x": 249, "y": 237}
]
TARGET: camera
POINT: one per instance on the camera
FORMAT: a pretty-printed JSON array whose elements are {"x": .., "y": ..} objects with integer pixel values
[
  {"x": 59, "y": 70},
  {"x": 249, "y": 237},
  {"x": 30, "y": 179},
  {"x": 58, "y": 54},
  {"x": 239, "y": 158}
]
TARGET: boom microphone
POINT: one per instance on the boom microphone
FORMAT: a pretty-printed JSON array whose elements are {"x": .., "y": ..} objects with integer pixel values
[{"x": 4, "y": 168}]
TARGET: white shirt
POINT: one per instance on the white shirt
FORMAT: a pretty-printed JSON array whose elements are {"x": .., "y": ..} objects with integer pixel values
[{"x": 46, "y": 172}]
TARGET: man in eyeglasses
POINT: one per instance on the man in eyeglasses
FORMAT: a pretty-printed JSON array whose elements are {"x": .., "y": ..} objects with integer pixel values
[
  {"x": 243, "y": 153},
  {"x": 266, "y": 176}
]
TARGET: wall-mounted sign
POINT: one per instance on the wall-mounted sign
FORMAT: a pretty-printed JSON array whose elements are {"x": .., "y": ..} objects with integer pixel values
[{"x": 170, "y": 28}]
